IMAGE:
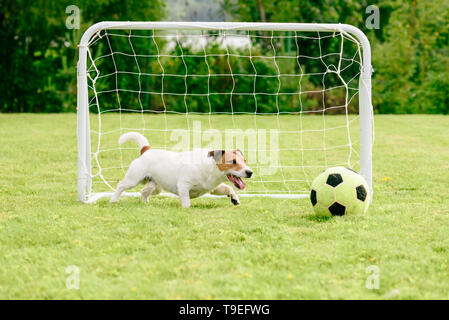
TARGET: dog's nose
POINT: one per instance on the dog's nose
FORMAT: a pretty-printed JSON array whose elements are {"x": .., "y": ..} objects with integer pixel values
[{"x": 249, "y": 173}]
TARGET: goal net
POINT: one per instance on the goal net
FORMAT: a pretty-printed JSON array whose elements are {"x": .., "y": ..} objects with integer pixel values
[{"x": 295, "y": 98}]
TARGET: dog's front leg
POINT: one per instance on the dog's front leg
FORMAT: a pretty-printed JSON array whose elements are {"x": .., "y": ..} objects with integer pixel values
[
  {"x": 184, "y": 195},
  {"x": 224, "y": 189}
]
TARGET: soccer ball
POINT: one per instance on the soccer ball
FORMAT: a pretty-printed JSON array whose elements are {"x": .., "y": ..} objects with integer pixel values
[{"x": 339, "y": 191}]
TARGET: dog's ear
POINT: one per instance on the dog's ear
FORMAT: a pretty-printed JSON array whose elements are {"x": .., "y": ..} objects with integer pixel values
[
  {"x": 216, "y": 154},
  {"x": 241, "y": 153}
]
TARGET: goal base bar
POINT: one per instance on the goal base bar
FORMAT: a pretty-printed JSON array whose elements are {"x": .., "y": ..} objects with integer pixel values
[{"x": 96, "y": 196}]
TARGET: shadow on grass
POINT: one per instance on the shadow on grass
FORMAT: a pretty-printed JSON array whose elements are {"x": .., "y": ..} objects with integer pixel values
[
  {"x": 163, "y": 202},
  {"x": 316, "y": 218},
  {"x": 208, "y": 205}
]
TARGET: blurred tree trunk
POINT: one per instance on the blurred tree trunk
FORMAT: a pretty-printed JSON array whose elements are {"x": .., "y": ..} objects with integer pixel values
[
  {"x": 412, "y": 30},
  {"x": 263, "y": 18}
]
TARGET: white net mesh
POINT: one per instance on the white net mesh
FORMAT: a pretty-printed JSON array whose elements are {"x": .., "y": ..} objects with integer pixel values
[{"x": 288, "y": 100}]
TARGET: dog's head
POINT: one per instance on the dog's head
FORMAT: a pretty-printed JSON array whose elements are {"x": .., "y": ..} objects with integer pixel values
[{"x": 233, "y": 165}]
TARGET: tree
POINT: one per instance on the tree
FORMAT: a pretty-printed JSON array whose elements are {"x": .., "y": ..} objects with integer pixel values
[
  {"x": 38, "y": 53},
  {"x": 412, "y": 64}
]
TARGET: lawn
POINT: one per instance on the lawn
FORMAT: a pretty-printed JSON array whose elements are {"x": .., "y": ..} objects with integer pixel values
[{"x": 262, "y": 249}]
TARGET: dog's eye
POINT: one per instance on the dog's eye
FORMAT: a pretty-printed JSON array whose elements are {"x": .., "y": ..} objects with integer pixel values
[{"x": 234, "y": 161}]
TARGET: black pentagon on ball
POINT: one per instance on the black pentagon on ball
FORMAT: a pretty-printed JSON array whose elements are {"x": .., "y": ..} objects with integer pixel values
[
  {"x": 361, "y": 193},
  {"x": 313, "y": 197},
  {"x": 337, "y": 209},
  {"x": 334, "y": 179}
]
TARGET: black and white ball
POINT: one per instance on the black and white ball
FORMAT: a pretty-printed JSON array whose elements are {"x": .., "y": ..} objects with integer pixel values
[{"x": 340, "y": 191}]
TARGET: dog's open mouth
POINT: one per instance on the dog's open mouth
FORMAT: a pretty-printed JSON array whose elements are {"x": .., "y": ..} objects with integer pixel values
[{"x": 237, "y": 181}]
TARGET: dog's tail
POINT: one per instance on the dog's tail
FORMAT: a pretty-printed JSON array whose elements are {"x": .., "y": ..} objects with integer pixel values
[{"x": 137, "y": 137}]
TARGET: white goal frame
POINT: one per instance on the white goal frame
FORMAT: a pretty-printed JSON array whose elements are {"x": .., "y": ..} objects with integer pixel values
[{"x": 83, "y": 126}]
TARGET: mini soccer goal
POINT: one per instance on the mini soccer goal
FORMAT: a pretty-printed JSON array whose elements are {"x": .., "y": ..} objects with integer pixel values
[{"x": 294, "y": 97}]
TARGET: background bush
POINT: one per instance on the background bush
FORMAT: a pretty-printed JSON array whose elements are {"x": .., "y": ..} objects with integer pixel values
[
  {"x": 38, "y": 54},
  {"x": 219, "y": 76}
]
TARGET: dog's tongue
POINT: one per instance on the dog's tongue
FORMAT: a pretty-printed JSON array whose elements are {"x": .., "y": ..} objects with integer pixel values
[{"x": 238, "y": 182}]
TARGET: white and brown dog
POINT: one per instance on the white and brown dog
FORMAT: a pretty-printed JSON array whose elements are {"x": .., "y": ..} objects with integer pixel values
[{"x": 187, "y": 174}]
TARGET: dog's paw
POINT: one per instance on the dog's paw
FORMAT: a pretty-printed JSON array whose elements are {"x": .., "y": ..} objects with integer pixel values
[{"x": 235, "y": 201}]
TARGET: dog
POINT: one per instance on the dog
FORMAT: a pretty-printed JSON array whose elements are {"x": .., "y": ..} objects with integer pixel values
[{"x": 187, "y": 174}]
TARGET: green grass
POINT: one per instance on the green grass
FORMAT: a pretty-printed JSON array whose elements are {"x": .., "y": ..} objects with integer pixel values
[{"x": 262, "y": 249}]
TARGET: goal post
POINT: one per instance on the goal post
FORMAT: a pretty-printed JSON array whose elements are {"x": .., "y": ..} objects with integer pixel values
[{"x": 249, "y": 82}]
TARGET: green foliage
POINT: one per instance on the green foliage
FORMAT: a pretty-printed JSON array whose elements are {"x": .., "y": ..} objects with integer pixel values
[
  {"x": 38, "y": 54},
  {"x": 410, "y": 50},
  {"x": 218, "y": 76},
  {"x": 412, "y": 64},
  {"x": 323, "y": 11}
]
